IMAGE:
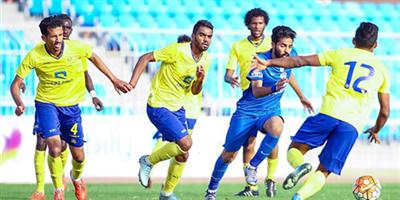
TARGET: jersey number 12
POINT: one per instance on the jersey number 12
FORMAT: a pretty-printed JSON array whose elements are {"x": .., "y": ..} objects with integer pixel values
[{"x": 352, "y": 65}]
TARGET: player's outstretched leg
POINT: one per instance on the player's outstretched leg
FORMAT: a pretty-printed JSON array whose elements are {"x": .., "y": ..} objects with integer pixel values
[
  {"x": 144, "y": 171},
  {"x": 293, "y": 178}
]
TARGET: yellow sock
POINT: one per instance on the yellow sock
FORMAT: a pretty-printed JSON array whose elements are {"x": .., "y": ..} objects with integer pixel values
[
  {"x": 56, "y": 171},
  {"x": 77, "y": 168},
  {"x": 272, "y": 166},
  {"x": 175, "y": 171},
  {"x": 312, "y": 185},
  {"x": 64, "y": 157},
  {"x": 252, "y": 187},
  {"x": 295, "y": 157},
  {"x": 159, "y": 143},
  {"x": 39, "y": 169},
  {"x": 166, "y": 152}
]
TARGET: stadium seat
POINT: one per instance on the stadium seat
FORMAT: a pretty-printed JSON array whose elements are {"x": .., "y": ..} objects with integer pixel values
[
  {"x": 56, "y": 7},
  {"x": 36, "y": 8}
]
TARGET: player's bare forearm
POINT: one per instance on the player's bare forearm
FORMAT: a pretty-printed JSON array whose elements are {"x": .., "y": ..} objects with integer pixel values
[
  {"x": 293, "y": 62},
  {"x": 88, "y": 82},
  {"x": 384, "y": 111},
  {"x": 295, "y": 86},
  {"x": 197, "y": 86},
  {"x": 286, "y": 62},
  {"x": 15, "y": 93},
  {"x": 15, "y": 90},
  {"x": 98, "y": 62},
  {"x": 140, "y": 66}
]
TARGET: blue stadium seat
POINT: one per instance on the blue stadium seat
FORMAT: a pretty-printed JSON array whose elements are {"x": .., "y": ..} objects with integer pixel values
[
  {"x": 83, "y": 8},
  {"x": 102, "y": 7},
  {"x": 37, "y": 8},
  {"x": 126, "y": 20},
  {"x": 182, "y": 21},
  {"x": 107, "y": 20},
  {"x": 56, "y": 7}
]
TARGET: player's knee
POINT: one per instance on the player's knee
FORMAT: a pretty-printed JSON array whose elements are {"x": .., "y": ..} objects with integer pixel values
[
  {"x": 182, "y": 158},
  {"x": 228, "y": 157},
  {"x": 185, "y": 143}
]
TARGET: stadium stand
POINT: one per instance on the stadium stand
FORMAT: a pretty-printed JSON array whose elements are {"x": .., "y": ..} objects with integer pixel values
[{"x": 139, "y": 26}]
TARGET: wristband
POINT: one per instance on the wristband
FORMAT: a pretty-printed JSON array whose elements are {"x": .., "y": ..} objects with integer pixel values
[
  {"x": 273, "y": 89},
  {"x": 93, "y": 93}
]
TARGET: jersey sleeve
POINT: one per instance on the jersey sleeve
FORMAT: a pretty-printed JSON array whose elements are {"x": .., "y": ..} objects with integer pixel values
[
  {"x": 26, "y": 66},
  {"x": 166, "y": 54},
  {"x": 385, "y": 87},
  {"x": 326, "y": 57},
  {"x": 255, "y": 75},
  {"x": 233, "y": 59}
]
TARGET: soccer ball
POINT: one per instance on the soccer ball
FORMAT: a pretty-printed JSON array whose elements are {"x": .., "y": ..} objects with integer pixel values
[{"x": 367, "y": 188}]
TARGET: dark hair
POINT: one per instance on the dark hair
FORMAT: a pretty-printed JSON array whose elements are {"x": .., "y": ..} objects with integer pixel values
[
  {"x": 282, "y": 32},
  {"x": 255, "y": 12},
  {"x": 49, "y": 22},
  {"x": 64, "y": 17},
  {"x": 202, "y": 22},
  {"x": 184, "y": 38},
  {"x": 366, "y": 35}
]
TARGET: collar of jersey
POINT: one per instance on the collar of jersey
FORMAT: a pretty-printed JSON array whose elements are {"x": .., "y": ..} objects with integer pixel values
[{"x": 62, "y": 51}]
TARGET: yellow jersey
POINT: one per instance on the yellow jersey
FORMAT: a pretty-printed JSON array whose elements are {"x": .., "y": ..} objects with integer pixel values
[
  {"x": 356, "y": 78},
  {"x": 61, "y": 80},
  {"x": 192, "y": 105},
  {"x": 242, "y": 52},
  {"x": 175, "y": 76}
]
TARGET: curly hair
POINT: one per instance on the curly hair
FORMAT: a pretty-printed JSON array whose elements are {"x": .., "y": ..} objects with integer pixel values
[{"x": 255, "y": 12}]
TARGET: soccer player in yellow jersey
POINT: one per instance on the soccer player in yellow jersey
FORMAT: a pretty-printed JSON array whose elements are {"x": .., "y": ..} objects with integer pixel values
[
  {"x": 183, "y": 68},
  {"x": 58, "y": 65},
  {"x": 40, "y": 152},
  {"x": 357, "y": 76}
]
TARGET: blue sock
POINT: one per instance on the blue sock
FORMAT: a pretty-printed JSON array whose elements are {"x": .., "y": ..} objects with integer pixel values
[
  {"x": 266, "y": 146},
  {"x": 218, "y": 172}
]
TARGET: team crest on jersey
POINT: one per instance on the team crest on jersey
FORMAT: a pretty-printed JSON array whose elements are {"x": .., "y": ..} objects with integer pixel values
[
  {"x": 61, "y": 74},
  {"x": 188, "y": 79}
]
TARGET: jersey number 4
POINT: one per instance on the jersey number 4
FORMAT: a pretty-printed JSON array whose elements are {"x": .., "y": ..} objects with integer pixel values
[{"x": 352, "y": 65}]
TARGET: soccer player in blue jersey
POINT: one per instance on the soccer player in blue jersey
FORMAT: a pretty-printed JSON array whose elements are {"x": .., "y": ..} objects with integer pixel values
[
  {"x": 258, "y": 110},
  {"x": 58, "y": 65},
  {"x": 40, "y": 152},
  {"x": 182, "y": 71},
  {"x": 357, "y": 77}
]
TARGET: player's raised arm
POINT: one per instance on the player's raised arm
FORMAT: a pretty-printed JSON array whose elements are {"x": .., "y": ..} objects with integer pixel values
[
  {"x": 306, "y": 103},
  {"x": 384, "y": 111},
  {"x": 286, "y": 62},
  {"x": 118, "y": 84},
  {"x": 15, "y": 93},
  {"x": 198, "y": 83},
  {"x": 140, "y": 66}
]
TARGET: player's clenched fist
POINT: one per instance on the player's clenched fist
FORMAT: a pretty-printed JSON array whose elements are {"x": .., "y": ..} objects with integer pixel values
[{"x": 19, "y": 110}]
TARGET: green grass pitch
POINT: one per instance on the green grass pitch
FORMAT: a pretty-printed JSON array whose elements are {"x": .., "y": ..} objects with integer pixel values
[{"x": 331, "y": 191}]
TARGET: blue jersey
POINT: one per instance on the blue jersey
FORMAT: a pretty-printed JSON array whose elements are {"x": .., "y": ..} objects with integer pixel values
[{"x": 271, "y": 103}]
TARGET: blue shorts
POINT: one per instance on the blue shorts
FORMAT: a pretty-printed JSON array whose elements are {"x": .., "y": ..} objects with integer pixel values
[
  {"x": 190, "y": 125},
  {"x": 339, "y": 136},
  {"x": 242, "y": 127},
  {"x": 172, "y": 125},
  {"x": 66, "y": 121}
]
